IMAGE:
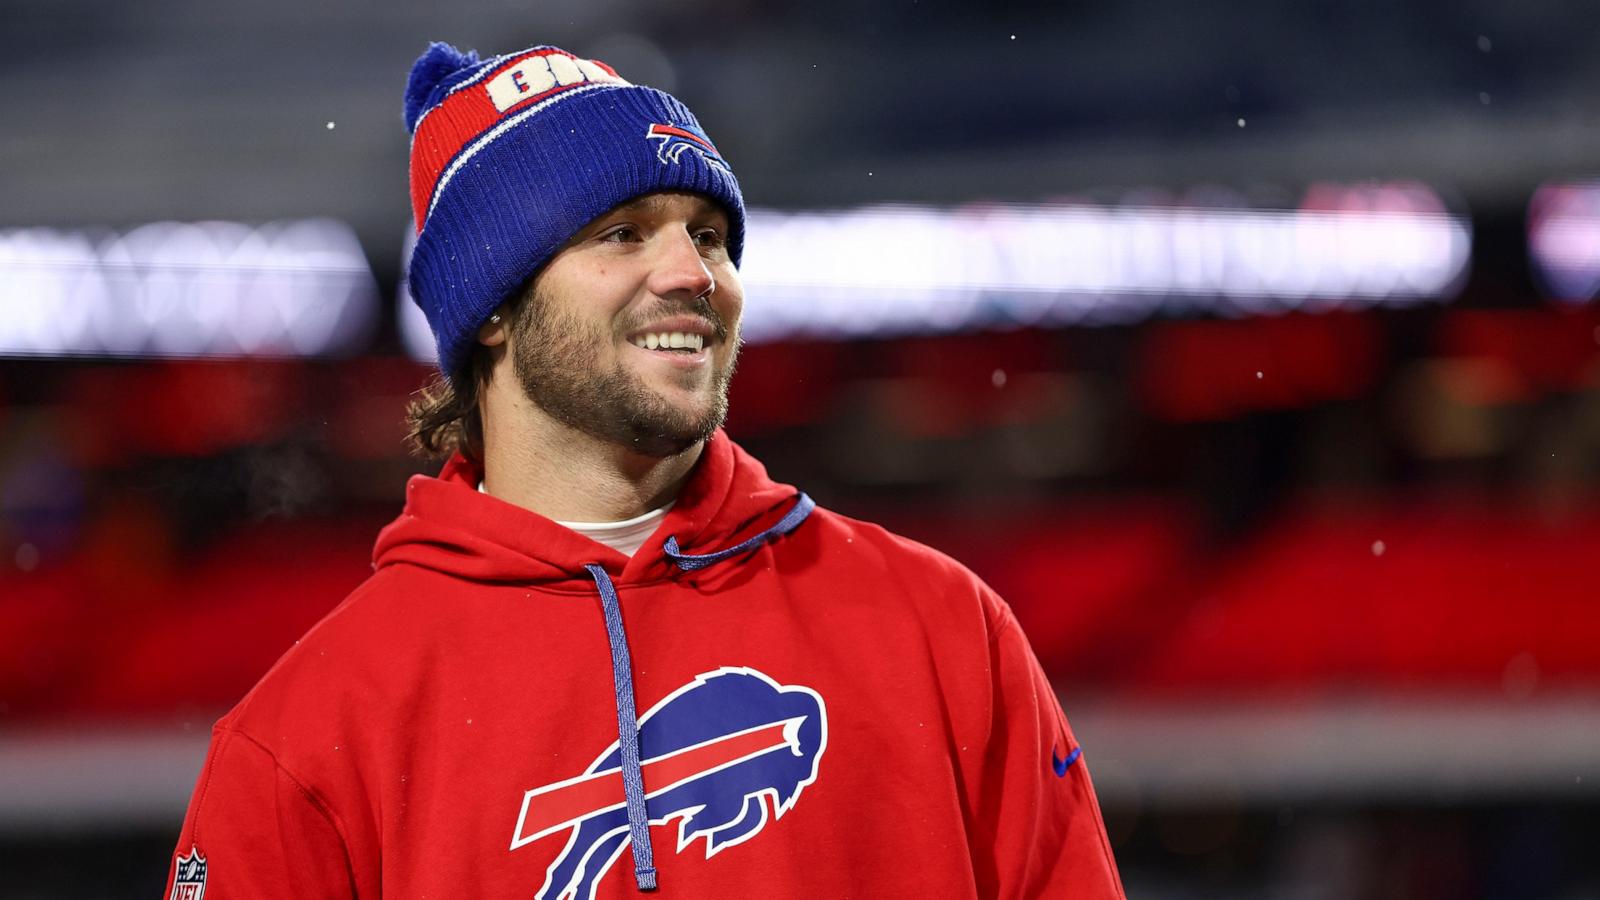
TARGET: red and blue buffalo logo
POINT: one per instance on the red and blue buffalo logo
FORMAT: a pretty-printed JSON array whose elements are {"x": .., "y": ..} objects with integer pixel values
[
  {"x": 723, "y": 755},
  {"x": 675, "y": 139}
]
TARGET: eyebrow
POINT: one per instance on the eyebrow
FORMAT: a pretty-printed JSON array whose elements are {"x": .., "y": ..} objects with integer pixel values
[{"x": 653, "y": 203}]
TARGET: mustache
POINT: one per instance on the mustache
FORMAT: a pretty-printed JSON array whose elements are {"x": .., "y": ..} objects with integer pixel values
[{"x": 699, "y": 307}]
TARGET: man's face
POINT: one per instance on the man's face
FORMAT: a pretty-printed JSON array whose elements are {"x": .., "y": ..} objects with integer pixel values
[{"x": 632, "y": 329}]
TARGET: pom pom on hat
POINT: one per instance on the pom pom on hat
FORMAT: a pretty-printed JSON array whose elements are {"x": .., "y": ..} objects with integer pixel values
[{"x": 431, "y": 69}]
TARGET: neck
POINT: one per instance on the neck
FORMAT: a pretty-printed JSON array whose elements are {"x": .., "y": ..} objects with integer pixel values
[{"x": 565, "y": 474}]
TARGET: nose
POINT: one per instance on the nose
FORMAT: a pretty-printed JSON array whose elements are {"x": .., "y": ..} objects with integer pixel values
[{"x": 679, "y": 268}]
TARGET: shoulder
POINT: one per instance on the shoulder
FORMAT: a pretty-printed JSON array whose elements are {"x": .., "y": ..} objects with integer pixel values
[
  {"x": 347, "y": 660},
  {"x": 920, "y": 571},
  {"x": 888, "y": 548}
]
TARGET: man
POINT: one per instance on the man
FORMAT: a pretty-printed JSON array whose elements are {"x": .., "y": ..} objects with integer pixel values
[{"x": 602, "y": 652}]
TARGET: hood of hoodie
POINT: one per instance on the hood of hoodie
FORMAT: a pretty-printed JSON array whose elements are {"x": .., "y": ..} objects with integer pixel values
[{"x": 448, "y": 525}]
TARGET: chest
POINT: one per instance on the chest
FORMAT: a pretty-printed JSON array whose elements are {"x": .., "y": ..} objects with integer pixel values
[{"x": 781, "y": 738}]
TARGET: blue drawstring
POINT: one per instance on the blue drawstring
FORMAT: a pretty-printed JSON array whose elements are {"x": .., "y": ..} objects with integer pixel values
[
  {"x": 791, "y": 520},
  {"x": 644, "y": 868}
]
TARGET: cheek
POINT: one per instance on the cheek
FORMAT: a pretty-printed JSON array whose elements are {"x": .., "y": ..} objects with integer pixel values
[
  {"x": 731, "y": 309},
  {"x": 729, "y": 298}
]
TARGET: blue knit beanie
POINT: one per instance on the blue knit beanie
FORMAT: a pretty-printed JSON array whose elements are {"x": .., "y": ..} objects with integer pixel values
[{"x": 511, "y": 156}]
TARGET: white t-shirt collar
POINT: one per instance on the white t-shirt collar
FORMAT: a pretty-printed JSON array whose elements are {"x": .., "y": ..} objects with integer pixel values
[{"x": 625, "y": 537}]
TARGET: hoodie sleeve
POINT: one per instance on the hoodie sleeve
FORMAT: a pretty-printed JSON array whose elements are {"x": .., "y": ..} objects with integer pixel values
[
  {"x": 256, "y": 833},
  {"x": 1037, "y": 808}
]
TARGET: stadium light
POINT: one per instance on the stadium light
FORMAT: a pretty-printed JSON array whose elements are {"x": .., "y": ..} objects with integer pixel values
[
  {"x": 186, "y": 289},
  {"x": 907, "y": 269},
  {"x": 1564, "y": 239}
]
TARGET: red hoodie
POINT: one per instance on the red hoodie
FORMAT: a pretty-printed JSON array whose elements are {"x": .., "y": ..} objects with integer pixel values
[{"x": 838, "y": 712}]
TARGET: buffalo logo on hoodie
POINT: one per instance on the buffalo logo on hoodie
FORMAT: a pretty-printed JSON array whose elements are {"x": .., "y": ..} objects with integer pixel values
[{"x": 721, "y": 754}]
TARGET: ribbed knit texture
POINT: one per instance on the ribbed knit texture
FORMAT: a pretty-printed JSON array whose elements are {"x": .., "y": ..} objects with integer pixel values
[{"x": 508, "y": 204}]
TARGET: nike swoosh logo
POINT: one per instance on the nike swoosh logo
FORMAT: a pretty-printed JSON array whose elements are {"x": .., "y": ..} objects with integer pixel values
[{"x": 1060, "y": 765}]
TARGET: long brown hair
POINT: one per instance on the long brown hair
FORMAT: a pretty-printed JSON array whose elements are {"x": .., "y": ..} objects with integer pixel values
[{"x": 442, "y": 417}]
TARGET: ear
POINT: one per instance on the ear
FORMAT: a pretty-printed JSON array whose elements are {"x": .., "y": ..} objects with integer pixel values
[{"x": 493, "y": 331}]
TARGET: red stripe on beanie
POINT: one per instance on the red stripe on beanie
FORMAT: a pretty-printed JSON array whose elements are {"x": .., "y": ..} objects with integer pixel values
[
  {"x": 658, "y": 129},
  {"x": 465, "y": 114}
]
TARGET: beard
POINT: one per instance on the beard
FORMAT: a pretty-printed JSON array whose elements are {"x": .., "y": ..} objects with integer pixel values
[{"x": 556, "y": 359}]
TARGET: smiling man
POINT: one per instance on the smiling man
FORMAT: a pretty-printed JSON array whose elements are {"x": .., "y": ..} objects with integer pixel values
[{"x": 603, "y": 652}]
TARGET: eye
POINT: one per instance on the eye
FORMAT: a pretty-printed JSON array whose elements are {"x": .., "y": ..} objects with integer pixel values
[
  {"x": 622, "y": 234},
  {"x": 709, "y": 238}
]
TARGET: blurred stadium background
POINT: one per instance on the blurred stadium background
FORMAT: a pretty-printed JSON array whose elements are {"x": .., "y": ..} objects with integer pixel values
[{"x": 1249, "y": 349}]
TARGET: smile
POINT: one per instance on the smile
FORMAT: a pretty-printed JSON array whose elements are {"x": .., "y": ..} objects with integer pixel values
[{"x": 670, "y": 340}]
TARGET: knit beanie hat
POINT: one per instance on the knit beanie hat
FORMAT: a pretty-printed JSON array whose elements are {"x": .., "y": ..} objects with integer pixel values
[{"x": 511, "y": 156}]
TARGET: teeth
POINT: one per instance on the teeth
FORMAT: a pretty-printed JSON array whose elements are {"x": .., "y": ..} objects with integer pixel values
[{"x": 671, "y": 340}]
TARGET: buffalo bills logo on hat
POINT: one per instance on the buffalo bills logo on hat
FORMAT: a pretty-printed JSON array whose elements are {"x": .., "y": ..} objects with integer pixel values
[
  {"x": 723, "y": 754},
  {"x": 675, "y": 139}
]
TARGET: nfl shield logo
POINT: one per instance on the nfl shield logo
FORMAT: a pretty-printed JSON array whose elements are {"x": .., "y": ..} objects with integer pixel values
[{"x": 189, "y": 880}]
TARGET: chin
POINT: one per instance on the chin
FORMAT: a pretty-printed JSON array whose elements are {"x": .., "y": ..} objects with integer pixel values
[
  {"x": 661, "y": 446},
  {"x": 650, "y": 439},
  {"x": 669, "y": 430},
  {"x": 637, "y": 411}
]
